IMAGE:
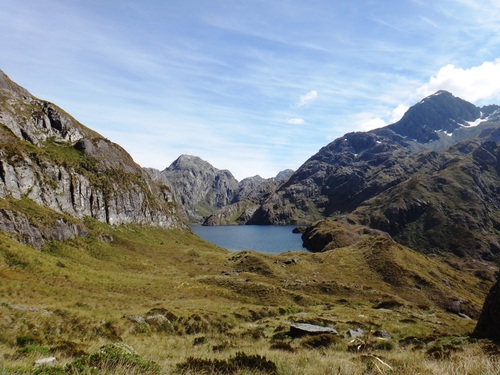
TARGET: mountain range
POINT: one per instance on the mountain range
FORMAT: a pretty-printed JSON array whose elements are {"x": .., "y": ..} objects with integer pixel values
[
  {"x": 96, "y": 251},
  {"x": 201, "y": 190},
  {"x": 430, "y": 180}
]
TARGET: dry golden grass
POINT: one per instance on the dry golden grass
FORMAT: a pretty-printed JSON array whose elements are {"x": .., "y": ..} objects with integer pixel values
[{"x": 74, "y": 297}]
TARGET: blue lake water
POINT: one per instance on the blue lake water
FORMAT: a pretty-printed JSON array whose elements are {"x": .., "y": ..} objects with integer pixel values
[{"x": 271, "y": 239}]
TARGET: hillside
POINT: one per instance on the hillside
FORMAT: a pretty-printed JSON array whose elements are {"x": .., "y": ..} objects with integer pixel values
[
  {"x": 453, "y": 206},
  {"x": 50, "y": 160},
  {"x": 422, "y": 179},
  {"x": 179, "y": 301}
]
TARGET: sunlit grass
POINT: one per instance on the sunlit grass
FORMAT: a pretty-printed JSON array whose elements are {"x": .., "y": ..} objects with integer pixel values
[{"x": 73, "y": 297}]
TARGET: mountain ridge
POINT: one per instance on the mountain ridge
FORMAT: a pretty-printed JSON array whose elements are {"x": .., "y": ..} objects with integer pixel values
[
  {"x": 203, "y": 190},
  {"x": 52, "y": 160},
  {"x": 380, "y": 179},
  {"x": 359, "y": 174}
]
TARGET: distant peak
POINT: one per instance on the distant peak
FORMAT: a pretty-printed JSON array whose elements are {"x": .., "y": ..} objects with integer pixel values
[
  {"x": 442, "y": 92},
  {"x": 439, "y": 112},
  {"x": 188, "y": 157}
]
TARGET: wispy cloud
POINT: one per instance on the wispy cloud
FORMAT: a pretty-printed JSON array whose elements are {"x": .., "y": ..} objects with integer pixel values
[
  {"x": 307, "y": 98},
  {"x": 192, "y": 77},
  {"x": 296, "y": 121}
]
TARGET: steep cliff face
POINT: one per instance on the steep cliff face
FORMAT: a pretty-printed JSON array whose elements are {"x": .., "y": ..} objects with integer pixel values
[
  {"x": 252, "y": 191},
  {"x": 198, "y": 187},
  {"x": 46, "y": 156}
]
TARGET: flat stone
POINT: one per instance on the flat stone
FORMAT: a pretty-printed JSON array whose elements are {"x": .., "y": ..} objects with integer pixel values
[
  {"x": 382, "y": 333},
  {"x": 355, "y": 333},
  {"x": 302, "y": 329},
  {"x": 136, "y": 318},
  {"x": 49, "y": 361}
]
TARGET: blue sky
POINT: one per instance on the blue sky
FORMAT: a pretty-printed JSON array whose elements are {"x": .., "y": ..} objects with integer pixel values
[{"x": 251, "y": 86}]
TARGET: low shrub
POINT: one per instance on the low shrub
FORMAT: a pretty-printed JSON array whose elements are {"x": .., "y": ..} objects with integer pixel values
[
  {"x": 111, "y": 357},
  {"x": 22, "y": 341},
  {"x": 34, "y": 348},
  {"x": 383, "y": 345},
  {"x": 282, "y": 345},
  {"x": 240, "y": 362},
  {"x": 323, "y": 340}
]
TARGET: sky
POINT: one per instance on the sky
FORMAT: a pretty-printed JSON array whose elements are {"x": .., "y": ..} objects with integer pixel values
[{"x": 251, "y": 86}]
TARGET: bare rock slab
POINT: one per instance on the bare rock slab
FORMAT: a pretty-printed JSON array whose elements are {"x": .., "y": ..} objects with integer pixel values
[{"x": 302, "y": 329}]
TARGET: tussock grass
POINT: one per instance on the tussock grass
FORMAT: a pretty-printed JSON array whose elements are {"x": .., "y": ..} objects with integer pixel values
[{"x": 176, "y": 299}]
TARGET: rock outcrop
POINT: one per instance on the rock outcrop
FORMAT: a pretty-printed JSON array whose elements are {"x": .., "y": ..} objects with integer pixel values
[
  {"x": 198, "y": 187},
  {"x": 252, "y": 191},
  {"x": 50, "y": 159},
  {"x": 488, "y": 324},
  {"x": 332, "y": 234},
  {"x": 213, "y": 196},
  {"x": 428, "y": 180}
]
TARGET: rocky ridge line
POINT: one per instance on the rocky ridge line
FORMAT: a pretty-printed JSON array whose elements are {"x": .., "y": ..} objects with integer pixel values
[{"x": 48, "y": 157}]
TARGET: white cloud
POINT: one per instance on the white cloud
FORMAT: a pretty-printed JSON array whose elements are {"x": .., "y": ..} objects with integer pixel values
[
  {"x": 369, "y": 121},
  {"x": 308, "y": 98},
  {"x": 373, "y": 124},
  {"x": 296, "y": 121},
  {"x": 476, "y": 84},
  {"x": 397, "y": 113}
]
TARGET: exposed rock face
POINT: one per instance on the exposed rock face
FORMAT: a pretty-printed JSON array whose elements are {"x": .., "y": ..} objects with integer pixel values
[
  {"x": 428, "y": 190},
  {"x": 19, "y": 225},
  {"x": 200, "y": 188},
  {"x": 212, "y": 196},
  {"x": 49, "y": 158},
  {"x": 451, "y": 204},
  {"x": 252, "y": 191},
  {"x": 488, "y": 324}
]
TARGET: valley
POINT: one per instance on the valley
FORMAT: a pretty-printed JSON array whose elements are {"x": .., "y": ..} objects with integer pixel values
[{"x": 100, "y": 272}]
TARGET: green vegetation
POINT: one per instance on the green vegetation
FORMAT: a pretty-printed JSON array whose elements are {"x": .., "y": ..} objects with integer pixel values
[{"x": 140, "y": 300}]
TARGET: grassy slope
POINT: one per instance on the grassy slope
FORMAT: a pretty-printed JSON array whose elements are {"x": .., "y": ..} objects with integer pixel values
[{"x": 73, "y": 296}]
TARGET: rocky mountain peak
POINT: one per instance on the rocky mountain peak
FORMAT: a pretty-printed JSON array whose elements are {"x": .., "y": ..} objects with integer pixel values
[
  {"x": 439, "y": 112},
  {"x": 284, "y": 175},
  {"x": 197, "y": 185},
  {"x": 189, "y": 161}
]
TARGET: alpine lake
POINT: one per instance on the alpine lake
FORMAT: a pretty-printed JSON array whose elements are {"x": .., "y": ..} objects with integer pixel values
[{"x": 270, "y": 239}]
